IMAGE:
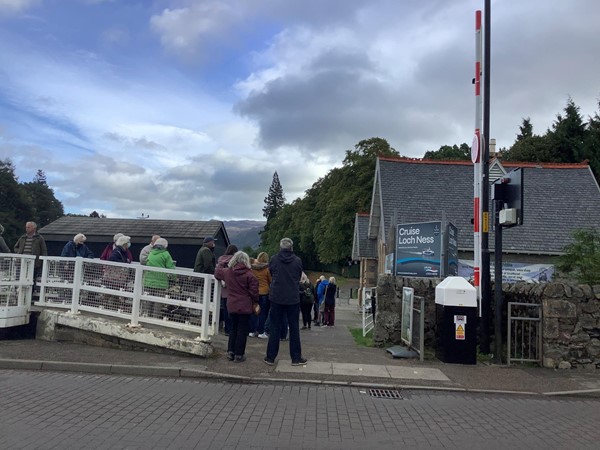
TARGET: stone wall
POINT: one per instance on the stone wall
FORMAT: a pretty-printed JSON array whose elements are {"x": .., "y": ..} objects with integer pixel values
[{"x": 571, "y": 316}]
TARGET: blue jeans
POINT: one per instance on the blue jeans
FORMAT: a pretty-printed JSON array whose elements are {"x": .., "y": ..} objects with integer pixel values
[
  {"x": 225, "y": 316},
  {"x": 291, "y": 313},
  {"x": 257, "y": 323}
]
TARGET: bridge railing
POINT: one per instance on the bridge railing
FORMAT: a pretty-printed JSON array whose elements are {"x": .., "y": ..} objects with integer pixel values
[
  {"x": 16, "y": 286},
  {"x": 174, "y": 298}
]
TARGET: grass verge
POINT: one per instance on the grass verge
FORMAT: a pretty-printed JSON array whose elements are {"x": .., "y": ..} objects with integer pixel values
[{"x": 365, "y": 341}]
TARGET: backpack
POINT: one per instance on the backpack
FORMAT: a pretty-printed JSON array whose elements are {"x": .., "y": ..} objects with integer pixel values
[{"x": 308, "y": 298}]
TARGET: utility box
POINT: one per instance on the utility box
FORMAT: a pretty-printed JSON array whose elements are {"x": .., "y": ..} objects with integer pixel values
[{"x": 456, "y": 321}]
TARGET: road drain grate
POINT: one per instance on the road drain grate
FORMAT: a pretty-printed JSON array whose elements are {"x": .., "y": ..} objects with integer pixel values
[{"x": 385, "y": 393}]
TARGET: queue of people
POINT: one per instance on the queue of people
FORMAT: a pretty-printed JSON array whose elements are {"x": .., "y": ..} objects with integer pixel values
[{"x": 264, "y": 297}]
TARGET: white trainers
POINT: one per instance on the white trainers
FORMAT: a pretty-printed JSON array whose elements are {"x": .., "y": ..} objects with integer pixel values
[
  {"x": 251, "y": 334},
  {"x": 263, "y": 336}
]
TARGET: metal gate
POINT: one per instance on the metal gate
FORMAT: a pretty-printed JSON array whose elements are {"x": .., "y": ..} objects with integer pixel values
[{"x": 524, "y": 337}]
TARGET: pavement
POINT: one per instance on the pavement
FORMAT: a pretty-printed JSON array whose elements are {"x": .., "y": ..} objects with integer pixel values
[{"x": 333, "y": 358}]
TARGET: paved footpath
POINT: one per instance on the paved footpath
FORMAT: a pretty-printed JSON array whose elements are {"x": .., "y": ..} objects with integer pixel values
[
  {"x": 48, "y": 410},
  {"x": 333, "y": 357}
]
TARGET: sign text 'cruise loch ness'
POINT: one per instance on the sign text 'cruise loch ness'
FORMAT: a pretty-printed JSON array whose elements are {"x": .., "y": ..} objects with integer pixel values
[{"x": 419, "y": 249}]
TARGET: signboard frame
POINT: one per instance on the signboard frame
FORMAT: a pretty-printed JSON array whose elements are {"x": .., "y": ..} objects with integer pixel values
[{"x": 408, "y": 295}]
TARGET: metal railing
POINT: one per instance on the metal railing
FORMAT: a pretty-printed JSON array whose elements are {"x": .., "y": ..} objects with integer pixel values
[
  {"x": 524, "y": 337},
  {"x": 16, "y": 286},
  {"x": 369, "y": 296},
  {"x": 174, "y": 298}
]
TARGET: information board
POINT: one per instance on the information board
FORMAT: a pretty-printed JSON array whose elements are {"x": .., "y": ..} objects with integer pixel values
[{"x": 418, "y": 249}]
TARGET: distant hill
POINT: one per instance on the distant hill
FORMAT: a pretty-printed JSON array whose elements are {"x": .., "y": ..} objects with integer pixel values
[{"x": 244, "y": 233}]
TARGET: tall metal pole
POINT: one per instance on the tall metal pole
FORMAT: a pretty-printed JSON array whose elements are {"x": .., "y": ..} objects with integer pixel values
[
  {"x": 486, "y": 292},
  {"x": 476, "y": 158},
  {"x": 498, "y": 283}
]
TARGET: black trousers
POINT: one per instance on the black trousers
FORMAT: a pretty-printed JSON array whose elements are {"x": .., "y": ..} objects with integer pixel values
[
  {"x": 306, "y": 310},
  {"x": 240, "y": 324}
]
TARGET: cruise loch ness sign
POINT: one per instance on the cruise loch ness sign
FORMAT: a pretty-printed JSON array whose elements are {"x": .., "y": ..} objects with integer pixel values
[{"x": 418, "y": 249}]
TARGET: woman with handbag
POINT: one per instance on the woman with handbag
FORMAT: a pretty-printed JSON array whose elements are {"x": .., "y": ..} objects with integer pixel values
[
  {"x": 242, "y": 287},
  {"x": 222, "y": 262}
]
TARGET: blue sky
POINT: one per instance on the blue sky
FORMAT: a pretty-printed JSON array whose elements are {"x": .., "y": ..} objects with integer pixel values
[{"x": 183, "y": 109}]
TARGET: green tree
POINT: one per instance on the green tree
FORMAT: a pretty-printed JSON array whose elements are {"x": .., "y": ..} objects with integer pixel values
[
  {"x": 567, "y": 136},
  {"x": 525, "y": 130},
  {"x": 592, "y": 143},
  {"x": 447, "y": 152},
  {"x": 46, "y": 207},
  {"x": 275, "y": 200},
  {"x": 15, "y": 207},
  {"x": 321, "y": 224},
  {"x": 529, "y": 149},
  {"x": 582, "y": 257}
]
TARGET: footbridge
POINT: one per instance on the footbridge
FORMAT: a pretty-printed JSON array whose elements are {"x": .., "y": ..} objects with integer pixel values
[{"x": 173, "y": 308}]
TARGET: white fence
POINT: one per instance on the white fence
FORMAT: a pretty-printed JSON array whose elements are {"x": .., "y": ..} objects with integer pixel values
[
  {"x": 369, "y": 296},
  {"x": 175, "y": 298},
  {"x": 16, "y": 285}
]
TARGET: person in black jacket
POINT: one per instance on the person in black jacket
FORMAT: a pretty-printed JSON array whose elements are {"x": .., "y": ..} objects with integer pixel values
[
  {"x": 329, "y": 299},
  {"x": 77, "y": 247},
  {"x": 286, "y": 271}
]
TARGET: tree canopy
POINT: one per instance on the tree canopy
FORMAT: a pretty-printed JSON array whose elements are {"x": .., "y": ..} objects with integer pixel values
[
  {"x": 569, "y": 140},
  {"x": 321, "y": 224},
  {"x": 23, "y": 202}
]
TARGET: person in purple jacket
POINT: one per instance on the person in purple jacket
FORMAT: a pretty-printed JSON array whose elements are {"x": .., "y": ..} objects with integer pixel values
[{"x": 242, "y": 293}]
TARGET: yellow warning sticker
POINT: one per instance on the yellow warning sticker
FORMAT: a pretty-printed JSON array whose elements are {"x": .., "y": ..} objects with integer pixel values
[
  {"x": 486, "y": 222},
  {"x": 460, "y": 332}
]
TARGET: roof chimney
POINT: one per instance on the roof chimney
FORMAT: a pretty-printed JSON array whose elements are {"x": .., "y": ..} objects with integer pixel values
[{"x": 492, "y": 148}]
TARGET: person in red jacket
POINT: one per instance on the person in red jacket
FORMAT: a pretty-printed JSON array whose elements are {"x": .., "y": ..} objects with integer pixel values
[
  {"x": 105, "y": 256},
  {"x": 242, "y": 287}
]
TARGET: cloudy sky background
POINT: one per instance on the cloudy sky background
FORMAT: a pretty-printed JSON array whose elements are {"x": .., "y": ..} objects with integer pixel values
[{"x": 183, "y": 109}]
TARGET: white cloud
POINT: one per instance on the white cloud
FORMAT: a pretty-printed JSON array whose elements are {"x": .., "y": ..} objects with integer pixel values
[
  {"x": 138, "y": 131},
  {"x": 16, "y": 6},
  {"x": 184, "y": 30}
]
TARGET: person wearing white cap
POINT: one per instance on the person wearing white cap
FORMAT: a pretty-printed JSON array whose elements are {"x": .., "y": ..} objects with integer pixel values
[
  {"x": 110, "y": 248},
  {"x": 77, "y": 247}
]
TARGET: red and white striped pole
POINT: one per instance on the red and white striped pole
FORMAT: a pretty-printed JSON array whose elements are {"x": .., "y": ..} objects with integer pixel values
[{"x": 476, "y": 158}]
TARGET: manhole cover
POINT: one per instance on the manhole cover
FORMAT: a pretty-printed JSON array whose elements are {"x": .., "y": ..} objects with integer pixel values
[{"x": 384, "y": 393}]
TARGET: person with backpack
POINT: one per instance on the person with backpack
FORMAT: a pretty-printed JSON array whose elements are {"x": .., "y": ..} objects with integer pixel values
[{"x": 307, "y": 299}]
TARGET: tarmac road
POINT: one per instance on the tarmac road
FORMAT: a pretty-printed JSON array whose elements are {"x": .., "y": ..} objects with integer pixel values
[
  {"x": 333, "y": 357},
  {"x": 45, "y": 410}
]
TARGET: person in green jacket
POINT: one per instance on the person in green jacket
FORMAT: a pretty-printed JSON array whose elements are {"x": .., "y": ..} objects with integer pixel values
[{"x": 157, "y": 283}]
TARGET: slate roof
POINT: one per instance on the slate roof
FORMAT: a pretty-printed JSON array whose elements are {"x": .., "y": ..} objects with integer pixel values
[
  {"x": 558, "y": 198},
  {"x": 138, "y": 229},
  {"x": 362, "y": 246}
]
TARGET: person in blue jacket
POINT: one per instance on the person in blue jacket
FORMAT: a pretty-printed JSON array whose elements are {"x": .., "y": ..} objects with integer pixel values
[{"x": 77, "y": 247}]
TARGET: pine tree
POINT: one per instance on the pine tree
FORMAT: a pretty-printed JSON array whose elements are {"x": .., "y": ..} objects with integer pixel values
[
  {"x": 525, "y": 130},
  {"x": 40, "y": 177},
  {"x": 275, "y": 200}
]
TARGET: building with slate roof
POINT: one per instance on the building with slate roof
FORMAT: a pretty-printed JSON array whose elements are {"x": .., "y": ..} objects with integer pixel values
[
  {"x": 558, "y": 199},
  {"x": 364, "y": 250},
  {"x": 185, "y": 236}
]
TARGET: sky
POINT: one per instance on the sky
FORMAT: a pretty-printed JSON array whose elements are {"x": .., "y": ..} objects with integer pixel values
[{"x": 184, "y": 109}]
